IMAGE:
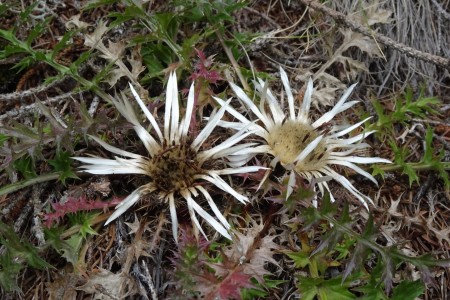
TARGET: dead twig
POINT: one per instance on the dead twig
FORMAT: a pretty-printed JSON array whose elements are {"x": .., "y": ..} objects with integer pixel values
[
  {"x": 409, "y": 51},
  {"x": 16, "y": 112},
  {"x": 30, "y": 92}
]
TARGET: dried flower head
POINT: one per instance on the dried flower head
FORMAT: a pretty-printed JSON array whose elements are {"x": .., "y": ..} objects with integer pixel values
[
  {"x": 300, "y": 145},
  {"x": 177, "y": 166}
]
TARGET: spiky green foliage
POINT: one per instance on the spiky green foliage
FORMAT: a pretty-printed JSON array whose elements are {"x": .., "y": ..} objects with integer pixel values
[
  {"x": 405, "y": 108},
  {"x": 63, "y": 165},
  {"x": 16, "y": 255},
  {"x": 432, "y": 160},
  {"x": 346, "y": 250},
  {"x": 69, "y": 245}
]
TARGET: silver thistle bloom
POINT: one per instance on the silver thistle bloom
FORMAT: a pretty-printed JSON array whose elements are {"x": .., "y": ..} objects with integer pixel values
[
  {"x": 176, "y": 164},
  {"x": 302, "y": 146}
]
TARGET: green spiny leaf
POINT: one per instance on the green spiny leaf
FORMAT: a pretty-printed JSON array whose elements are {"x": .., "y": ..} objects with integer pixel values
[
  {"x": 62, "y": 43},
  {"x": 376, "y": 170},
  {"x": 428, "y": 155},
  {"x": 25, "y": 166},
  {"x": 24, "y": 15},
  {"x": 8, "y": 272},
  {"x": 63, "y": 164},
  {"x": 69, "y": 248},
  {"x": 408, "y": 290},
  {"x": 330, "y": 289},
  {"x": 37, "y": 30},
  {"x": 20, "y": 249},
  {"x": 361, "y": 250},
  {"x": 301, "y": 259},
  {"x": 85, "y": 221}
]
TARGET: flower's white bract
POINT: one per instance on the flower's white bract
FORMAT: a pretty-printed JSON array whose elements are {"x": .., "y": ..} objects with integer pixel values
[
  {"x": 300, "y": 145},
  {"x": 176, "y": 163}
]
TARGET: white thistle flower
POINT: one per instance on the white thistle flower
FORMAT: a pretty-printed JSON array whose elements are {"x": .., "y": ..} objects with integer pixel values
[
  {"x": 300, "y": 145},
  {"x": 176, "y": 163}
]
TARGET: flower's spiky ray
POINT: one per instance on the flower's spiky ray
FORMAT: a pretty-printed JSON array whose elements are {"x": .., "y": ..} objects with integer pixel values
[
  {"x": 176, "y": 163},
  {"x": 300, "y": 145}
]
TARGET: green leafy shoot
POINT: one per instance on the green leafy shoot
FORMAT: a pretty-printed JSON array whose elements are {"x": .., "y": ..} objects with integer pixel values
[
  {"x": 400, "y": 160},
  {"x": 17, "y": 255},
  {"x": 408, "y": 290},
  {"x": 62, "y": 164},
  {"x": 405, "y": 109},
  {"x": 433, "y": 160},
  {"x": 341, "y": 247},
  {"x": 84, "y": 220},
  {"x": 8, "y": 272},
  {"x": 68, "y": 248},
  {"x": 261, "y": 291},
  {"x": 25, "y": 165}
]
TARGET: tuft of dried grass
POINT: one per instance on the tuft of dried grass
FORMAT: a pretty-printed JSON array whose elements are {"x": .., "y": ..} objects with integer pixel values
[{"x": 422, "y": 25}]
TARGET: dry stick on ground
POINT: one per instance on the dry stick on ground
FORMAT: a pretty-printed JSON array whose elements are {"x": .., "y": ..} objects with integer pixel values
[
  {"x": 29, "y": 92},
  {"x": 16, "y": 112},
  {"x": 411, "y": 52}
]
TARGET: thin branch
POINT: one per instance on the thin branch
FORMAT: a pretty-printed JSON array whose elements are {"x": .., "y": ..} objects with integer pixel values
[
  {"x": 10, "y": 188},
  {"x": 29, "y": 92},
  {"x": 20, "y": 111}
]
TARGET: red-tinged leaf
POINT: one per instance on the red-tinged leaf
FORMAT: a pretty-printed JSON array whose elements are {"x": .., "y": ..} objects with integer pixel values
[
  {"x": 203, "y": 69},
  {"x": 73, "y": 205},
  {"x": 230, "y": 287}
]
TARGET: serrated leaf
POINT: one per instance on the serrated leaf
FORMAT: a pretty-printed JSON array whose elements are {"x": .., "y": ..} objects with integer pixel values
[
  {"x": 8, "y": 273},
  {"x": 25, "y": 166},
  {"x": 301, "y": 259},
  {"x": 345, "y": 248},
  {"x": 335, "y": 234},
  {"x": 330, "y": 289},
  {"x": 428, "y": 155},
  {"x": 428, "y": 261},
  {"x": 62, "y": 43},
  {"x": 85, "y": 221},
  {"x": 359, "y": 254},
  {"x": 24, "y": 15},
  {"x": 412, "y": 175},
  {"x": 376, "y": 170},
  {"x": 63, "y": 164},
  {"x": 18, "y": 248},
  {"x": 37, "y": 30},
  {"x": 408, "y": 290},
  {"x": 372, "y": 291},
  {"x": 70, "y": 249},
  {"x": 388, "y": 271},
  {"x": 327, "y": 207}
]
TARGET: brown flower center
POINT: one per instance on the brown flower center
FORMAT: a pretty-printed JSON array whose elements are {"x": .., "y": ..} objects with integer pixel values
[
  {"x": 173, "y": 168},
  {"x": 290, "y": 139}
]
